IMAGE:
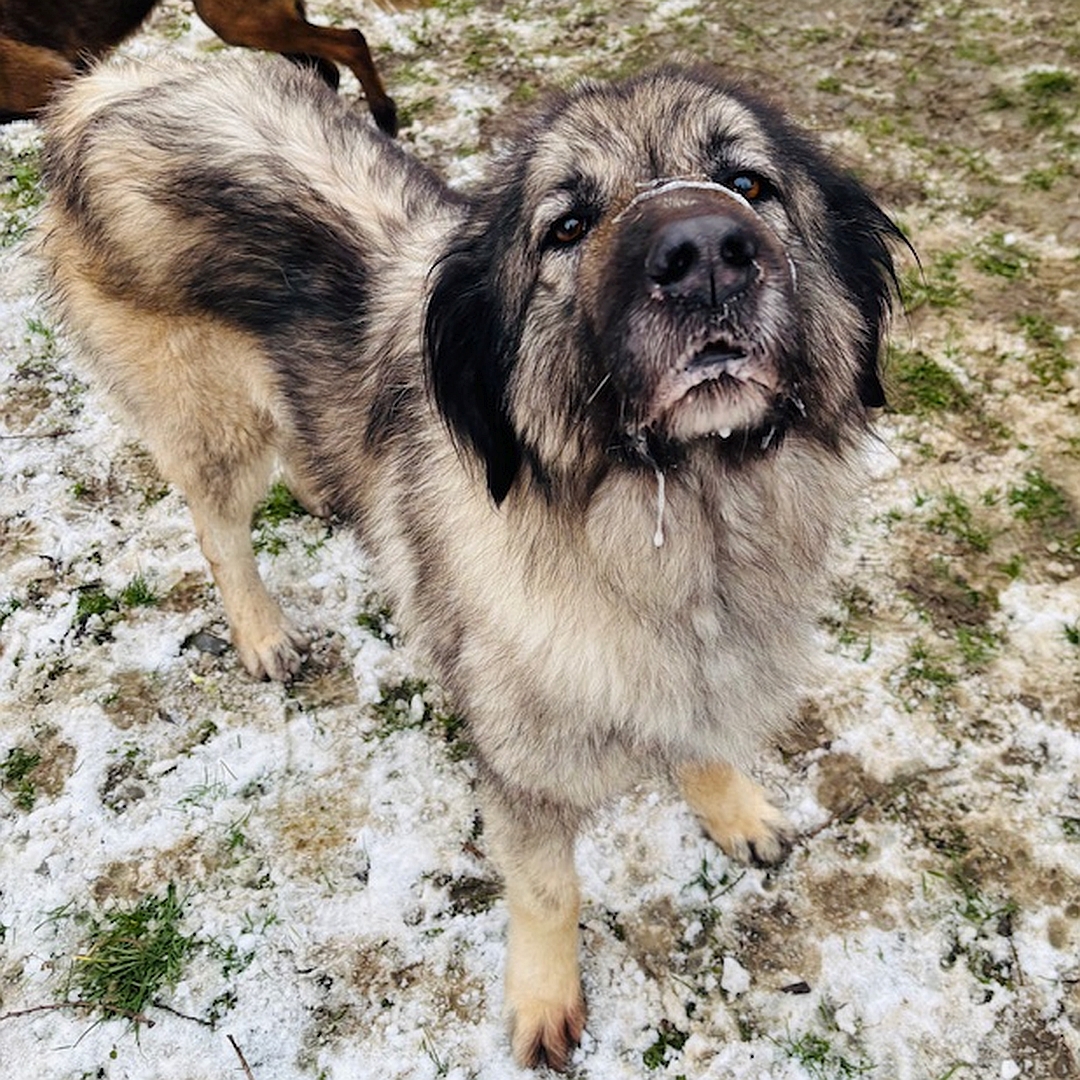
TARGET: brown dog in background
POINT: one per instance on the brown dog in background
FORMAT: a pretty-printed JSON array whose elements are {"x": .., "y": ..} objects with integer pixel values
[{"x": 45, "y": 42}]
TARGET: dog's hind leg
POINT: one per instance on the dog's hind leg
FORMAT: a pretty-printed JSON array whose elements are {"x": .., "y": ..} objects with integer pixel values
[
  {"x": 533, "y": 846},
  {"x": 29, "y": 75},
  {"x": 268, "y": 644},
  {"x": 736, "y": 812},
  {"x": 282, "y": 26},
  {"x": 206, "y": 406}
]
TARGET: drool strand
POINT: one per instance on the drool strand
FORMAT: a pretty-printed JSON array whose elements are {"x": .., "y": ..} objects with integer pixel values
[{"x": 658, "y": 536}]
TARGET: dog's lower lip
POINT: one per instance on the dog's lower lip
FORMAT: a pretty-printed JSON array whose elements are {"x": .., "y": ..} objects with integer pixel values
[{"x": 716, "y": 361}]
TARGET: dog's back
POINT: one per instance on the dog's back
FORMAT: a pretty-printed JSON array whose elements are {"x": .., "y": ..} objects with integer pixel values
[
  {"x": 200, "y": 242},
  {"x": 225, "y": 162}
]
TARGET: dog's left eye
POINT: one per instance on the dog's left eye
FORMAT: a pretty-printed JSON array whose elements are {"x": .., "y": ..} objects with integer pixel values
[
  {"x": 749, "y": 185},
  {"x": 567, "y": 231}
]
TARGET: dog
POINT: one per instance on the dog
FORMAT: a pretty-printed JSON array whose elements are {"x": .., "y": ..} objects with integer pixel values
[
  {"x": 594, "y": 425},
  {"x": 44, "y": 45}
]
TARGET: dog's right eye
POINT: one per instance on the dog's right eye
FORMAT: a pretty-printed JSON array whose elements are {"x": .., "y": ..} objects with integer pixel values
[{"x": 567, "y": 231}]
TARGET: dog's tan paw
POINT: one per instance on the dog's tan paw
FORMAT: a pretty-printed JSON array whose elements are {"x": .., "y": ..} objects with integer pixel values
[
  {"x": 762, "y": 837},
  {"x": 547, "y": 1033},
  {"x": 277, "y": 654},
  {"x": 737, "y": 814}
]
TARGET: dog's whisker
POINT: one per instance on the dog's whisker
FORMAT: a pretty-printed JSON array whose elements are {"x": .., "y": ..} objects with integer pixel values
[{"x": 596, "y": 393}]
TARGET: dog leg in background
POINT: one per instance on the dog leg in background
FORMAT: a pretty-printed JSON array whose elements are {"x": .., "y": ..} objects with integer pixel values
[
  {"x": 281, "y": 26},
  {"x": 28, "y": 77},
  {"x": 533, "y": 847},
  {"x": 736, "y": 812},
  {"x": 222, "y": 491}
]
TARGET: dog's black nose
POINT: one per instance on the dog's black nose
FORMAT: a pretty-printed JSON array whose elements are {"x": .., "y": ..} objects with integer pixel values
[{"x": 705, "y": 259}]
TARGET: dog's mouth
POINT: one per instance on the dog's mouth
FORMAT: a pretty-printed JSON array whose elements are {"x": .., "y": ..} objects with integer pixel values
[{"x": 717, "y": 389}]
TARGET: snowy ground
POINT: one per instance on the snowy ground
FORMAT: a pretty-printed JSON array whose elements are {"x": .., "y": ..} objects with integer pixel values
[{"x": 342, "y": 921}]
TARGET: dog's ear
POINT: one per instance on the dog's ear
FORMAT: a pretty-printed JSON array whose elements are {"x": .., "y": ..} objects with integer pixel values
[
  {"x": 468, "y": 355},
  {"x": 864, "y": 236}
]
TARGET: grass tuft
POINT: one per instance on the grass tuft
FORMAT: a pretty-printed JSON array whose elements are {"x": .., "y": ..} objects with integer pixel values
[
  {"x": 278, "y": 507},
  {"x": 918, "y": 384},
  {"x": 409, "y": 706},
  {"x": 1038, "y": 501},
  {"x": 669, "y": 1041},
  {"x": 131, "y": 956},
  {"x": 20, "y": 195},
  {"x": 15, "y": 776}
]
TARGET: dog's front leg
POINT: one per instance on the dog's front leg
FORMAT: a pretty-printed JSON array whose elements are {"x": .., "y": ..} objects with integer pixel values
[
  {"x": 736, "y": 812},
  {"x": 532, "y": 842}
]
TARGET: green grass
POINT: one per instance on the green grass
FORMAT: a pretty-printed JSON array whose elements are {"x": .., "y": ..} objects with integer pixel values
[
  {"x": 1050, "y": 98},
  {"x": 8, "y": 607},
  {"x": 42, "y": 352},
  {"x": 20, "y": 195},
  {"x": 669, "y": 1042},
  {"x": 403, "y": 707},
  {"x": 15, "y": 776},
  {"x": 138, "y": 593},
  {"x": 278, "y": 507},
  {"x": 977, "y": 646},
  {"x": 131, "y": 956},
  {"x": 918, "y": 385},
  {"x": 936, "y": 285},
  {"x": 822, "y": 1060},
  {"x": 407, "y": 706},
  {"x": 377, "y": 620},
  {"x": 926, "y": 671},
  {"x": 1048, "y": 362},
  {"x": 852, "y": 628},
  {"x": 95, "y": 600},
  {"x": 1044, "y": 179},
  {"x": 1038, "y": 501},
  {"x": 999, "y": 255},
  {"x": 955, "y": 518}
]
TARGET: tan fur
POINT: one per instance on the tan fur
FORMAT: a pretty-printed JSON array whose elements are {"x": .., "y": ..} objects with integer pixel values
[
  {"x": 254, "y": 294},
  {"x": 735, "y": 812}
]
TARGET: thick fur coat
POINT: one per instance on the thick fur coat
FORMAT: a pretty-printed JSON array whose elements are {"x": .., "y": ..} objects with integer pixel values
[{"x": 594, "y": 424}]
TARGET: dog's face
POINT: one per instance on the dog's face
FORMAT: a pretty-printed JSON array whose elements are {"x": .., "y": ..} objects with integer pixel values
[{"x": 658, "y": 262}]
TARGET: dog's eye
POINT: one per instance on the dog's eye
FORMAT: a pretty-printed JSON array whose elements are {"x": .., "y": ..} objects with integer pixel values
[
  {"x": 749, "y": 185},
  {"x": 568, "y": 230}
]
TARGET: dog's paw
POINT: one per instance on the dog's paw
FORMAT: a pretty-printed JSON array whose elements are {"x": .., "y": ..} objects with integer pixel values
[
  {"x": 547, "y": 1032},
  {"x": 737, "y": 814},
  {"x": 759, "y": 835},
  {"x": 277, "y": 653}
]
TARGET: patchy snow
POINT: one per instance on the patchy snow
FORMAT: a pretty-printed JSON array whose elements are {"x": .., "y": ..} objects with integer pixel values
[{"x": 346, "y": 922}]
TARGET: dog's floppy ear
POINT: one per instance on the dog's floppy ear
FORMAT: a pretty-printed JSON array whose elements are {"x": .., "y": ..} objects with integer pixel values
[
  {"x": 468, "y": 356},
  {"x": 864, "y": 235}
]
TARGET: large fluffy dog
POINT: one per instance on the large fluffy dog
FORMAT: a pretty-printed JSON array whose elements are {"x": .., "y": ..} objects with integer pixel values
[{"x": 593, "y": 424}]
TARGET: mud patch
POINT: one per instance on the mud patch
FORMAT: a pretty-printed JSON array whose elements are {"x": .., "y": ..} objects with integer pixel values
[{"x": 317, "y": 830}]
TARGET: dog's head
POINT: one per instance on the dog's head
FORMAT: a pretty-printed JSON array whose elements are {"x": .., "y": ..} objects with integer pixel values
[{"x": 657, "y": 262}]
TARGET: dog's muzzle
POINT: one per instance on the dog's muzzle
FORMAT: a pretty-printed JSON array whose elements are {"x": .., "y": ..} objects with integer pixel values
[{"x": 699, "y": 316}]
